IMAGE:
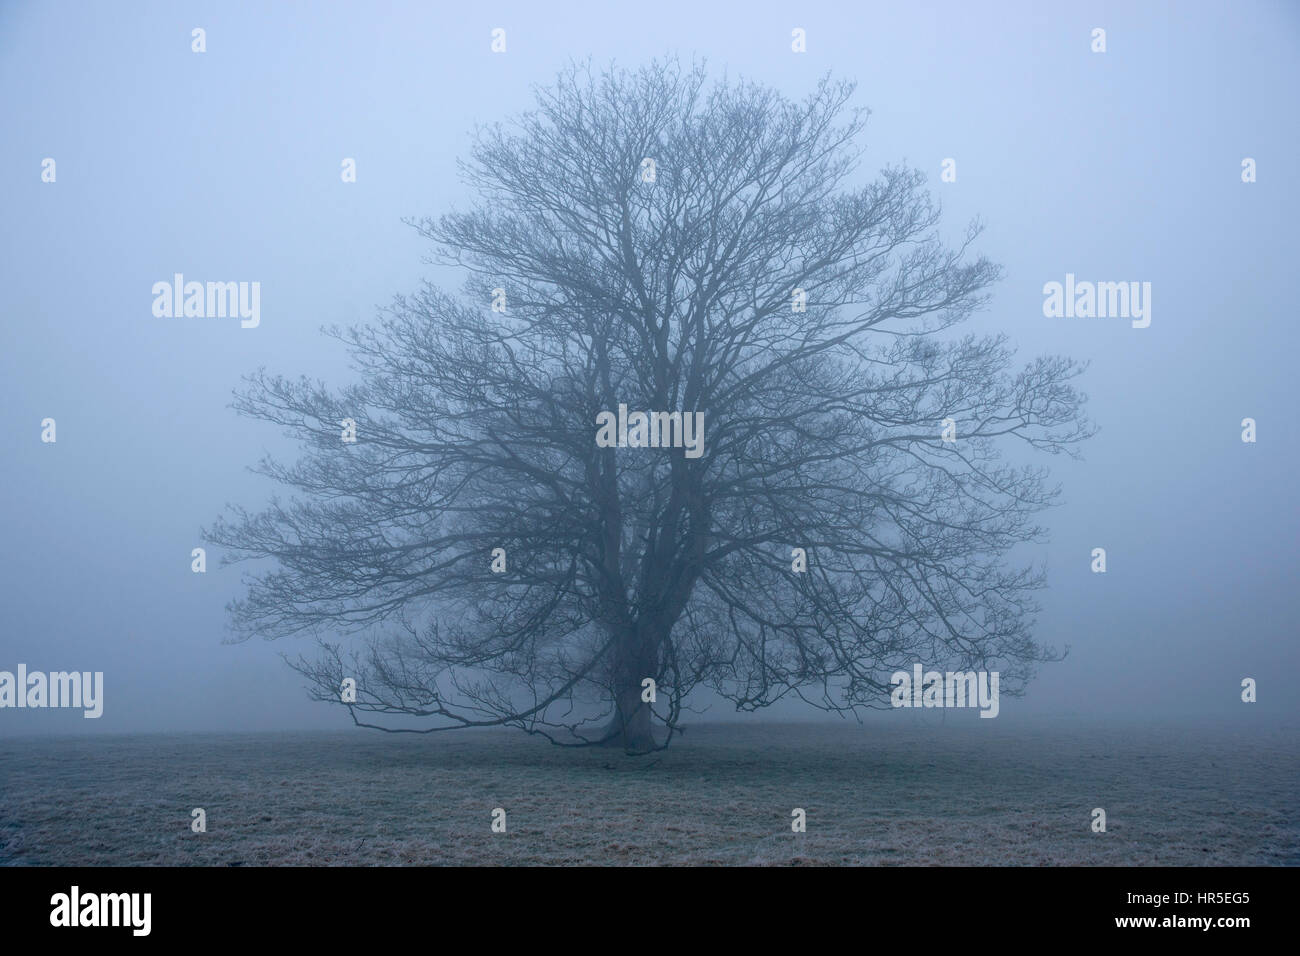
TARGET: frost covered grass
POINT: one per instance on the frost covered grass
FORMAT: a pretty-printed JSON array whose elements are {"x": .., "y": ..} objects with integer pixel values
[{"x": 908, "y": 793}]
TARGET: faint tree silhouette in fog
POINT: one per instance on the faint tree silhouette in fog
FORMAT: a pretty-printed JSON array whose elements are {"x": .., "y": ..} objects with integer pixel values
[{"x": 476, "y": 430}]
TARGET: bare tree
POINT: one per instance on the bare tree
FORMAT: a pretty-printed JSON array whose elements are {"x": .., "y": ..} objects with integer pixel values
[{"x": 673, "y": 245}]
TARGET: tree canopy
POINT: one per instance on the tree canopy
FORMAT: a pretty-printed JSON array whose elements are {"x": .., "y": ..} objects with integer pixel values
[{"x": 743, "y": 274}]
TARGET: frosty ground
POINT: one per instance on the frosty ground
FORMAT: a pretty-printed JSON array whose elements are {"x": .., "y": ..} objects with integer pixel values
[{"x": 887, "y": 793}]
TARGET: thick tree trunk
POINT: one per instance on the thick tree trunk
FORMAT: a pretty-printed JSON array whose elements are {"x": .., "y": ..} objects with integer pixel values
[{"x": 630, "y": 727}]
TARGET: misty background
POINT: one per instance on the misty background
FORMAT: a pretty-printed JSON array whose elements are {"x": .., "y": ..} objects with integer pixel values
[{"x": 224, "y": 166}]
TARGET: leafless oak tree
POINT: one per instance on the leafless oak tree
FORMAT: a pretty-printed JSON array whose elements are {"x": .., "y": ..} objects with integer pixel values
[{"x": 476, "y": 430}]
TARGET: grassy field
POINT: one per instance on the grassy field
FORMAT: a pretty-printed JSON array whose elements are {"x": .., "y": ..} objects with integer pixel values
[{"x": 877, "y": 794}]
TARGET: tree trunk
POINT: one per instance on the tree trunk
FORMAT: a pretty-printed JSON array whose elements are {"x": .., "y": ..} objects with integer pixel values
[
  {"x": 634, "y": 656},
  {"x": 630, "y": 727}
]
